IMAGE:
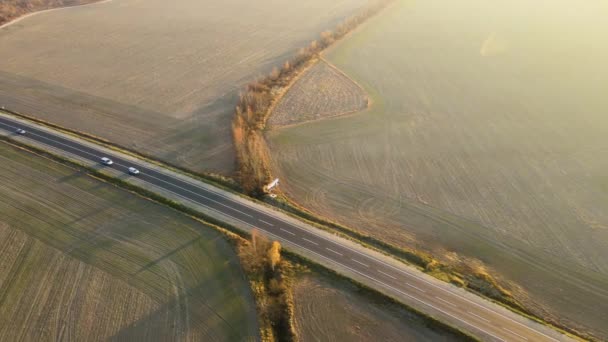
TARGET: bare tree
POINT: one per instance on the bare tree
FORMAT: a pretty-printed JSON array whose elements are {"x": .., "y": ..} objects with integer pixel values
[{"x": 274, "y": 254}]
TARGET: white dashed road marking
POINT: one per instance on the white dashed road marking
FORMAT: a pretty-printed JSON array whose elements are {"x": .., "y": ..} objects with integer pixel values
[
  {"x": 359, "y": 262},
  {"x": 416, "y": 287},
  {"x": 388, "y": 275},
  {"x": 485, "y": 319},
  {"x": 314, "y": 243},
  {"x": 445, "y": 301},
  {"x": 514, "y": 333},
  {"x": 287, "y": 231},
  {"x": 331, "y": 250}
]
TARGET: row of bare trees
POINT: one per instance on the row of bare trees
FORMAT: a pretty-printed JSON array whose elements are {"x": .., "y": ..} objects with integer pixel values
[
  {"x": 254, "y": 104},
  {"x": 262, "y": 261}
]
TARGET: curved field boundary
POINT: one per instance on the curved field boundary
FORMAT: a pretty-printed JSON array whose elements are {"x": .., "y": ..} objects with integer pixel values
[
  {"x": 27, "y": 15},
  {"x": 311, "y": 97}
]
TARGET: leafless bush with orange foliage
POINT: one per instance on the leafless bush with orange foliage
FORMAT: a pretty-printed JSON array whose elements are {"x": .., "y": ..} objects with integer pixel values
[{"x": 262, "y": 261}]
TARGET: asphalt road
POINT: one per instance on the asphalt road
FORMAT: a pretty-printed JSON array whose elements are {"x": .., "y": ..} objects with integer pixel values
[{"x": 483, "y": 318}]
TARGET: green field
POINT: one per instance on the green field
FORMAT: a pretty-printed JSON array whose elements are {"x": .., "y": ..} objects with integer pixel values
[
  {"x": 162, "y": 77},
  {"x": 83, "y": 260},
  {"x": 487, "y": 139}
]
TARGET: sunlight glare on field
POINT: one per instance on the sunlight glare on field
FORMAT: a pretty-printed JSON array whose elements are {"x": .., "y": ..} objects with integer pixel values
[
  {"x": 493, "y": 45},
  {"x": 487, "y": 136}
]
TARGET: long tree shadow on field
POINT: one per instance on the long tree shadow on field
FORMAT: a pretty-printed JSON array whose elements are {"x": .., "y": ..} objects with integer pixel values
[
  {"x": 193, "y": 287},
  {"x": 202, "y": 303},
  {"x": 73, "y": 176},
  {"x": 203, "y": 140},
  {"x": 166, "y": 256},
  {"x": 189, "y": 316},
  {"x": 68, "y": 107},
  {"x": 84, "y": 173},
  {"x": 188, "y": 270}
]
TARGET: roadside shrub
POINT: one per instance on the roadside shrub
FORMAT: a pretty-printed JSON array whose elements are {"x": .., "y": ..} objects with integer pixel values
[{"x": 262, "y": 261}]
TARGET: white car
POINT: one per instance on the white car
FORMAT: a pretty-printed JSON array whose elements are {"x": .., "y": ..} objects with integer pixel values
[
  {"x": 20, "y": 131},
  {"x": 133, "y": 171},
  {"x": 106, "y": 161}
]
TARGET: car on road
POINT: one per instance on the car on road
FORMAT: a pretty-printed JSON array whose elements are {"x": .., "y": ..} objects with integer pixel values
[
  {"x": 20, "y": 131},
  {"x": 133, "y": 171},
  {"x": 106, "y": 161}
]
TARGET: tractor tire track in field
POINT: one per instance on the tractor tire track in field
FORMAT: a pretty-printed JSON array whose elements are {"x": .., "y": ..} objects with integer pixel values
[
  {"x": 82, "y": 260},
  {"x": 317, "y": 299},
  {"x": 485, "y": 157}
]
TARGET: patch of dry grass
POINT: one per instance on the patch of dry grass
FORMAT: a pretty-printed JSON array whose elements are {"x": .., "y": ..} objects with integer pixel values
[
  {"x": 321, "y": 92},
  {"x": 257, "y": 102}
]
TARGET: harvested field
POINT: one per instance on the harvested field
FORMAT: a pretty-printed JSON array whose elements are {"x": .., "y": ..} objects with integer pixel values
[
  {"x": 322, "y": 92},
  {"x": 12, "y": 9},
  {"x": 483, "y": 140},
  {"x": 70, "y": 298},
  {"x": 327, "y": 310},
  {"x": 159, "y": 77},
  {"x": 83, "y": 260}
]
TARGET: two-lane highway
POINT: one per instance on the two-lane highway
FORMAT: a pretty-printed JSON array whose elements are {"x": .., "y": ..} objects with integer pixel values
[{"x": 444, "y": 301}]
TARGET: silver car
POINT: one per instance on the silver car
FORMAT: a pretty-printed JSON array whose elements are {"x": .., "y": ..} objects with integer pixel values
[
  {"x": 20, "y": 131},
  {"x": 133, "y": 171},
  {"x": 106, "y": 161}
]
